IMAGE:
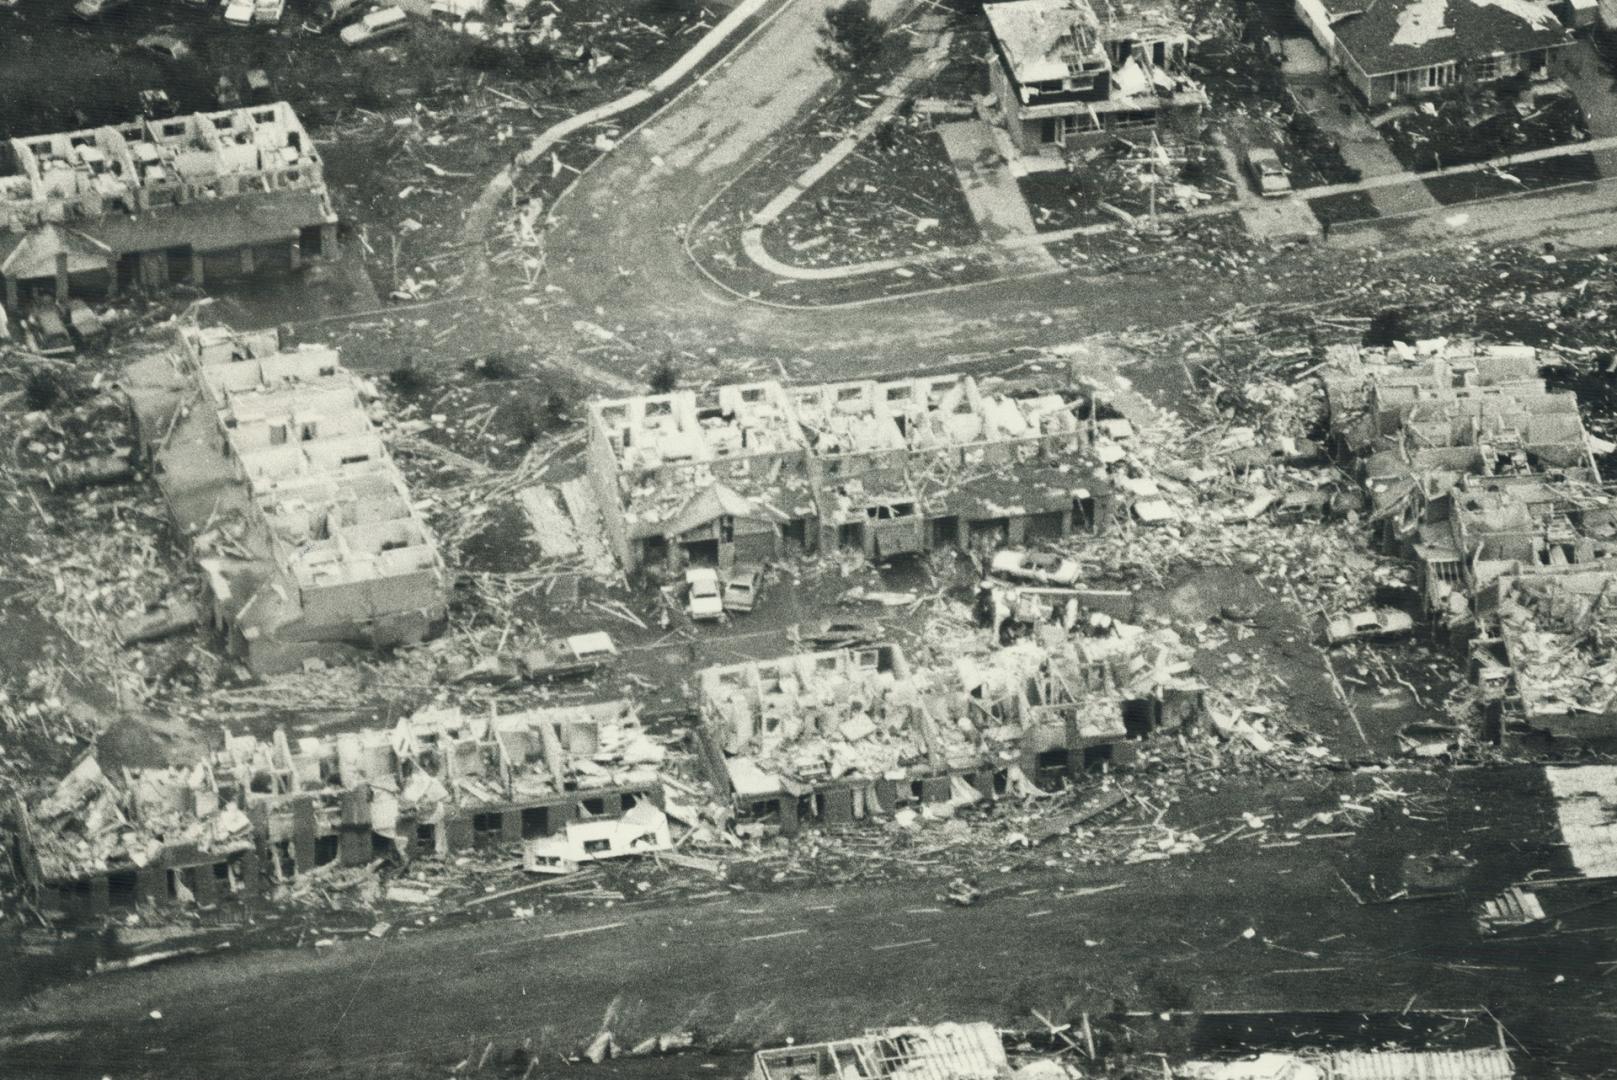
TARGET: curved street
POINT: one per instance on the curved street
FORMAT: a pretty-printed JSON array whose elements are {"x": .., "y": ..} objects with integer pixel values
[{"x": 617, "y": 243}]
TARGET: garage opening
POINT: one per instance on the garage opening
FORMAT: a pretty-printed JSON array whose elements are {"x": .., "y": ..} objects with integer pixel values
[
  {"x": 121, "y": 889},
  {"x": 535, "y": 822},
  {"x": 702, "y": 552},
  {"x": 945, "y": 531},
  {"x": 325, "y": 850},
  {"x": 1139, "y": 717},
  {"x": 426, "y": 839},
  {"x": 486, "y": 829},
  {"x": 1046, "y": 526},
  {"x": 309, "y": 241},
  {"x": 1051, "y": 767},
  {"x": 1097, "y": 757}
]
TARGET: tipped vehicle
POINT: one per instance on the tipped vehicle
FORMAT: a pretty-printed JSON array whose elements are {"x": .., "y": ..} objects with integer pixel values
[{"x": 1370, "y": 624}]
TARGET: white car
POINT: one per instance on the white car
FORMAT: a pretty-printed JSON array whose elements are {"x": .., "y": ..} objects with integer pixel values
[
  {"x": 239, "y": 13},
  {"x": 1034, "y": 566},
  {"x": 1370, "y": 623},
  {"x": 268, "y": 12},
  {"x": 374, "y": 27},
  {"x": 702, "y": 597}
]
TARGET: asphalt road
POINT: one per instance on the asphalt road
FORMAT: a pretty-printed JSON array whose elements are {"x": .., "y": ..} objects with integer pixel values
[
  {"x": 756, "y": 968},
  {"x": 617, "y": 246}
]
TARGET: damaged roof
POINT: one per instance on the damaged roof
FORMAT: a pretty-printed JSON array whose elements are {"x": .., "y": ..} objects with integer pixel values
[{"x": 1398, "y": 35}]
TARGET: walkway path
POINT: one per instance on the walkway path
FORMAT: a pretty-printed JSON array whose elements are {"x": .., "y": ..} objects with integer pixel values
[{"x": 991, "y": 191}]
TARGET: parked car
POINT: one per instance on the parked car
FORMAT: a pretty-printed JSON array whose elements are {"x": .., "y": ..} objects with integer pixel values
[
  {"x": 165, "y": 44},
  {"x": 374, "y": 27},
  {"x": 1370, "y": 623},
  {"x": 84, "y": 324},
  {"x": 94, "y": 9},
  {"x": 741, "y": 586},
  {"x": 1034, "y": 566},
  {"x": 702, "y": 597},
  {"x": 1268, "y": 174},
  {"x": 268, "y": 12},
  {"x": 47, "y": 333},
  {"x": 581, "y": 654},
  {"x": 239, "y": 12}
]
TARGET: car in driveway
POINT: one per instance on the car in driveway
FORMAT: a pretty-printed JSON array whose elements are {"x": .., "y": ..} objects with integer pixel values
[
  {"x": 1368, "y": 625},
  {"x": 741, "y": 585},
  {"x": 1268, "y": 174},
  {"x": 1040, "y": 566},
  {"x": 703, "y": 599},
  {"x": 165, "y": 44},
  {"x": 374, "y": 27}
]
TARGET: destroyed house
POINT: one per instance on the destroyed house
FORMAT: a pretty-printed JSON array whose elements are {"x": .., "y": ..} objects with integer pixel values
[
  {"x": 1422, "y": 419},
  {"x": 298, "y": 515},
  {"x": 1545, "y": 645},
  {"x": 946, "y": 1051},
  {"x": 915, "y": 464},
  {"x": 1068, "y": 73},
  {"x": 259, "y": 813},
  {"x": 192, "y": 198},
  {"x": 711, "y": 478},
  {"x": 1486, "y": 528},
  {"x": 742, "y": 472},
  {"x": 837, "y": 736},
  {"x": 1395, "y": 49}
]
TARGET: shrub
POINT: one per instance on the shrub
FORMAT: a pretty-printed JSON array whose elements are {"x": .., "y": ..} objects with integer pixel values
[
  {"x": 665, "y": 376},
  {"x": 852, "y": 37},
  {"x": 409, "y": 378}
]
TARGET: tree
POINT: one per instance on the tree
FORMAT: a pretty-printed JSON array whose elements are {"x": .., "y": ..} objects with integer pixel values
[
  {"x": 852, "y": 37},
  {"x": 665, "y": 376}
]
